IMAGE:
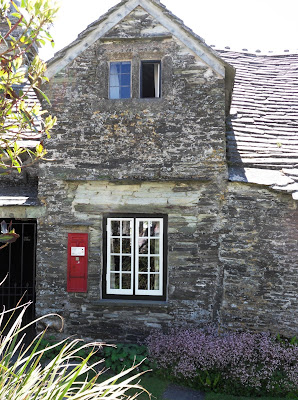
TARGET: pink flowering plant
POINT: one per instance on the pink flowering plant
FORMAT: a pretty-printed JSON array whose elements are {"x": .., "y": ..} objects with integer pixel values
[{"x": 241, "y": 363}]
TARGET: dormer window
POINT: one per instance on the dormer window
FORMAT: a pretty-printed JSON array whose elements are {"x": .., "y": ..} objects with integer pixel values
[
  {"x": 120, "y": 80},
  {"x": 150, "y": 79}
]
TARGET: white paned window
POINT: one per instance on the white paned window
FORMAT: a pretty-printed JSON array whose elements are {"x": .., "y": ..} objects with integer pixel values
[
  {"x": 148, "y": 258},
  {"x": 135, "y": 264},
  {"x": 120, "y": 245}
]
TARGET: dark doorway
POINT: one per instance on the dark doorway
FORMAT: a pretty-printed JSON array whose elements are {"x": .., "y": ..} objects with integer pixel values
[{"x": 17, "y": 261}]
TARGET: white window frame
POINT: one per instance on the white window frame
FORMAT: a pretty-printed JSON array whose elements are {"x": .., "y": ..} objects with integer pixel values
[
  {"x": 149, "y": 292},
  {"x": 134, "y": 254},
  {"x": 109, "y": 254}
]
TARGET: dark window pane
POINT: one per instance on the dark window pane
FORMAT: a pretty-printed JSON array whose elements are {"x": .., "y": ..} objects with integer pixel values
[
  {"x": 126, "y": 263},
  {"x": 125, "y": 67},
  {"x": 154, "y": 282},
  {"x": 115, "y": 263},
  {"x": 115, "y": 246},
  {"x": 143, "y": 282},
  {"x": 143, "y": 264},
  {"x": 115, "y": 228},
  {"x": 143, "y": 246},
  {"x": 154, "y": 264},
  {"x": 115, "y": 281},
  {"x": 125, "y": 80},
  {"x": 126, "y": 246},
  {"x": 126, "y": 281},
  {"x": 154, "y": 246},
  {"x": 125, "y": 92},
  {"x": 126, "y": 231},
  {"x": 148, "y": 80},
  {"x": 154, "y": 228}
]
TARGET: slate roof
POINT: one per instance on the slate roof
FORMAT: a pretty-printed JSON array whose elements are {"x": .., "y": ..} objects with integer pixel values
[
  {"x": 27, "y": 138},
  {"x": 262, "y": 128},
  {"x": 21, "y": 189},
  {"x": 16, "y": 190}
]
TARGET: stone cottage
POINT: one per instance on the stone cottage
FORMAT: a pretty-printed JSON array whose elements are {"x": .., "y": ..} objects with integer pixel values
[{"x": 168, "y": 203}]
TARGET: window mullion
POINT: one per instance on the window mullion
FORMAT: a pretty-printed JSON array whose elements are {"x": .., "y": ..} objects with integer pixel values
[
  {"x": 121, "y": 255},
  {"x": 133, "y": 258},
  {"x": 136, "y": 253},
  {"x": 148, "y": 261}
]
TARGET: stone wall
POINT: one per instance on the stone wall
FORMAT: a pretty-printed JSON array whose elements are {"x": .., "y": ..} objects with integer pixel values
[
  {"x": 178, "y": 136},
  {"x": 231, "y": 248},
  {"x": 193, "y": 230},
  {"x": 160, "y": 155},
  {"x": 259, "y": 252},
  {"x": 232, "y": 255}
]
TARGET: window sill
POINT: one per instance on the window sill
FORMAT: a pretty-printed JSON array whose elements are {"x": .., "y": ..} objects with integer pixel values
[
  {"x": 131, "y": 303},
  {"x": 153, "y": 99}
]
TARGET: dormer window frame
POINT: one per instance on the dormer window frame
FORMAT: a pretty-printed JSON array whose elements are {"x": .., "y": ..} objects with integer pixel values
[
  {"x": 123, "y": 79},
  {"x": 156, "y": 78}
]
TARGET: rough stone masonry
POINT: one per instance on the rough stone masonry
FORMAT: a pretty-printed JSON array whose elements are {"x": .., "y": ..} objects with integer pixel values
[{"x": 232, "y": 247}]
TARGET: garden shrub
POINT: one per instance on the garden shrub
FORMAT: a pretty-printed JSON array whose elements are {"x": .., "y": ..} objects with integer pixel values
[{"x": 241, "y": 363}]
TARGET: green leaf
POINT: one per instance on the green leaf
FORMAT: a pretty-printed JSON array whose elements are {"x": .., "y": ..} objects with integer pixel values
[
  {"x": 43, "y": 95},
  {"x": 15, "y": 6}
]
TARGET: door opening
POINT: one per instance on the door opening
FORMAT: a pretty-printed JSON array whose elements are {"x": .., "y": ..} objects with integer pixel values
[{"x": 18, "y": 262}]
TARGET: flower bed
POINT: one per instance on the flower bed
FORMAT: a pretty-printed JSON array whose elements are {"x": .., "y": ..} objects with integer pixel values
[{"x": 241, "y": 363}]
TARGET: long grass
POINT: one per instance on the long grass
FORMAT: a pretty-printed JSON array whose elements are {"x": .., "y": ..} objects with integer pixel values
[{"x": 24, "y": 377}]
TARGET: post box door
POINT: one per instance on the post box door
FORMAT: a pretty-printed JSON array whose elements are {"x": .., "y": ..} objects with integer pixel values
[{"x": 77, "y": 265}]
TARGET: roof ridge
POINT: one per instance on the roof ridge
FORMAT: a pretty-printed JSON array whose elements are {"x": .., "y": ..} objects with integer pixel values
[
  {"x": 257, "y": 52},
  {"x": 103, "y": 23}
]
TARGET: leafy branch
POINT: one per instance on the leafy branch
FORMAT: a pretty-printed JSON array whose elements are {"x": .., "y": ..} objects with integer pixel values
[{"x": 23, "y": 123}]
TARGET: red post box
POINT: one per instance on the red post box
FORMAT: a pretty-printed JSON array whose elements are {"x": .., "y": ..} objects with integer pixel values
[{"x": 77, "y": 264}]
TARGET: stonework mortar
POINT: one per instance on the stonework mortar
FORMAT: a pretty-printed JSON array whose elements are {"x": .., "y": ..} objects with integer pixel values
[{"x": 232, "y": 248}]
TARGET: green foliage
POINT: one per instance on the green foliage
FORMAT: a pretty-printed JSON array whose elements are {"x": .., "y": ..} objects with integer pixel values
[
  {"x": 53, "y": 347},
  {"x": 68, "y": 374},
  {"x": 125, "y": 356},
  {"x": 118, "y": 357},
  {"x": 293, "y": 341},
  {"x": 207, "y": 380},
  {"x": 27, "y": 28}
]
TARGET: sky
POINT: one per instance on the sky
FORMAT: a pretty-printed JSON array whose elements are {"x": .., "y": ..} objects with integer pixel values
[{"x": 266, "y": 25}]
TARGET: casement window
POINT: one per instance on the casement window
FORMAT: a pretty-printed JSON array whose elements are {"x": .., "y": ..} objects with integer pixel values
[
  {"x": 150, "y": 79},
  {"x": 135, "y": 257},
  {"x": 120, "y": 80}
]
